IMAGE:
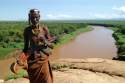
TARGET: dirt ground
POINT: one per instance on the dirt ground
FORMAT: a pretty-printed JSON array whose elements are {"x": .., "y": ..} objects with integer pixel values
[{"x": 91, "y": 70}]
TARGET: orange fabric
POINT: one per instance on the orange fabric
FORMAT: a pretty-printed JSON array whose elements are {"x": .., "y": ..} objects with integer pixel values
[
  {"x": 22, "y": 60},
  {"x": 23, "y": 57},
  {"x": 40, "y": 71}
]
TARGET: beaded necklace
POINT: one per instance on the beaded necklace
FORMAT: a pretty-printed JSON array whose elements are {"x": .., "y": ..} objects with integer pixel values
[{"x": 35, "y": 31}]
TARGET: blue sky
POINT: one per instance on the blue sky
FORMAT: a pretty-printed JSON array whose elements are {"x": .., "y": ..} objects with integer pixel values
[{"x": 63, "y": 9}]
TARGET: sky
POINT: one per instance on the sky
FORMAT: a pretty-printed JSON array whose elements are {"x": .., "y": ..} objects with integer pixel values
[{"x": 63, "y": 9}]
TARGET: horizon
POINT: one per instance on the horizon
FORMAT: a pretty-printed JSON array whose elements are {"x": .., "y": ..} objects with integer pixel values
[{"x": 66, "y": 20}]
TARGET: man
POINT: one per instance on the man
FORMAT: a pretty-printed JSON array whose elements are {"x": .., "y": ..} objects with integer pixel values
[{"x": 37, "y": 48}]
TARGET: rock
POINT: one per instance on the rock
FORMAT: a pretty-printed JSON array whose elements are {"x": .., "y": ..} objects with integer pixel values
[
  {"x": 91, "y": 70},
  {"x": 19, "y": 80},
  {"x": 1, "y": 80},
  {"x": 85, "y": 76}
]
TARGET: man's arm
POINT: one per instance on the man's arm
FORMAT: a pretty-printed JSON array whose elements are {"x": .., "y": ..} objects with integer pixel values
[
  {"x": 47, "y": 33},
  {"x": 26, "y": 40},
  {"x": 48, "y": 37}
]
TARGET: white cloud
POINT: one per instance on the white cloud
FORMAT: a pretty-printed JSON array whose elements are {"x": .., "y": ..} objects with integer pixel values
[
  {"x": 107, "y": 16},
  {"x": 61, "y": 16},
  {"x": 121, "y": 9},
  {"x": 118, "y": 13},
  {"x": 102, "y": 16}
]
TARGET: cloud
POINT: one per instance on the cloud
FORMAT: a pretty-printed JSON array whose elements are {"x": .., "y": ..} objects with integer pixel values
[
  {"x": 120, "y": 9},
  {"x": 61, "y": 16},
  {"x": 102, "y": 16},
  {"x": 118, "y": 12},
  {"x": 106, "y": 16}
]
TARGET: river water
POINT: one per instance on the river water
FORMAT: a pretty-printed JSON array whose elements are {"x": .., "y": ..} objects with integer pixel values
[{"x": 97, "y": 43}]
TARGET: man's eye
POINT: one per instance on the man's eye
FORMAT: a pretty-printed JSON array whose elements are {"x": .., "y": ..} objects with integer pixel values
[{"x": 37, "y": 18}]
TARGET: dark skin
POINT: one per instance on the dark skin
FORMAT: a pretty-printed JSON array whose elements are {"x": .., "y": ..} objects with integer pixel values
[
  {"x": 28, "y": 34},
  {"x": 35, "y": 19}
]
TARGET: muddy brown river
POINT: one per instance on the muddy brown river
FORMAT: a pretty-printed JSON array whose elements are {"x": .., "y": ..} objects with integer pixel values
[{"x": 97, "y": 43}]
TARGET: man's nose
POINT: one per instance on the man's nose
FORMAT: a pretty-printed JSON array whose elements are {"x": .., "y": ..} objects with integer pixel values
[{"x": 35, "y": 19}]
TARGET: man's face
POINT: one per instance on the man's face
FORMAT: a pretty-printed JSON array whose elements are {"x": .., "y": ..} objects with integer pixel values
[{"x": 35, "y": 18}]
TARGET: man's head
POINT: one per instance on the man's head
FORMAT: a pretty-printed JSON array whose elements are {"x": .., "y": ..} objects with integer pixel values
[{"x": 34, "y": 17}]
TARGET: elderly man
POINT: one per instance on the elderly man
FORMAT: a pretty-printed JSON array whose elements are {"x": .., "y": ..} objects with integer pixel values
[{"x": 37, "y": 48}]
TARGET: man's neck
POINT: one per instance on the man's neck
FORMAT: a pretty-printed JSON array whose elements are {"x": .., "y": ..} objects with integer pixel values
[{"x": 35, "y": 26}]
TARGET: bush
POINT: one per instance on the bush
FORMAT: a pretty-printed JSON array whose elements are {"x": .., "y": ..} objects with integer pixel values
[{"x": 21, "y": 73}]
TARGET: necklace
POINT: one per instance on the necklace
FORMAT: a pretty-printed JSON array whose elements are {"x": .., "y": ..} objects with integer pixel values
[{"x": 35, "y": 31}]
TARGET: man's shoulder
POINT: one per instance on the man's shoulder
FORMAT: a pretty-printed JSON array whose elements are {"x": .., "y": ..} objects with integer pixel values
[
  {"x": 44, "y": 27},
  {"x": 28, "y": 28}
]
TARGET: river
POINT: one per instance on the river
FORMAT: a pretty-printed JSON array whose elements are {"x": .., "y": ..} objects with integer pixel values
[{"x": 97, "y": 43}]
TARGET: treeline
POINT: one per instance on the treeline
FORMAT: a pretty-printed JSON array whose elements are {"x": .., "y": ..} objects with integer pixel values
[
  {"x": 106, "y": 23},
  {"x": 11, "y": 33},
  {"x": 119, "y": 35}
]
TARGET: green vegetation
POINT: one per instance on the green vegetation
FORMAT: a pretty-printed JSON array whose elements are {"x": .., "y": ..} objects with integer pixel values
[
  {"x": 11, "y": 34},
  {"x": 21, "y": 73},
  {"x": 98, "y": 22},
  {"x": 113, "y": 23},
  {"x": 5, "y": 51},
  {"x": 59, "y": 66},
  {"x": 119, "y": 36}
]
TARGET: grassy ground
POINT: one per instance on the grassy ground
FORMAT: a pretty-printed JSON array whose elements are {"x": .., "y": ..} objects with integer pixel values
[{"x": 4, "y": 52}]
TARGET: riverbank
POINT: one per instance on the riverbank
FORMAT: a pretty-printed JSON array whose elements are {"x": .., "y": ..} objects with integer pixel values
[
  {"x": 89, "y": 70},
  {"x": 70, "y": 36},
  {"x": 119, "y": 36}
]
